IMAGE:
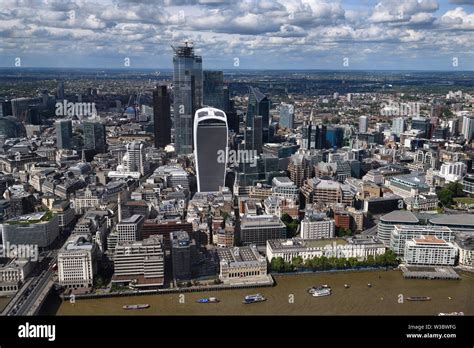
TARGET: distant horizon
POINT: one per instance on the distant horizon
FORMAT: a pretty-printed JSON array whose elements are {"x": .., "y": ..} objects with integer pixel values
[{"x": 234, "y": 69}]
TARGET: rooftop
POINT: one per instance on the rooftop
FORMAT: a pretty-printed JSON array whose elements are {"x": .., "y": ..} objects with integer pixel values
[
  {"x": 400, "y": 216},
  {"x": 455, "y": 220},
  {"x": 33, "y": 218},
  {"x": 429, "y": 240}
]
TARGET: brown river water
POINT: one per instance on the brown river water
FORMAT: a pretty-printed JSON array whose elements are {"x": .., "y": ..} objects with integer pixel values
[{"x": 289, "y": 297}]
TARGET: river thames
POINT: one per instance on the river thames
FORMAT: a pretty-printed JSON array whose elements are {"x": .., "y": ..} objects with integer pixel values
[{"x": 289, "y": 297}]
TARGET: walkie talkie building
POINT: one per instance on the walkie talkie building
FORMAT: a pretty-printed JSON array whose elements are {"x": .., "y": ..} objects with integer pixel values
[{"x": 210, "y": 148}]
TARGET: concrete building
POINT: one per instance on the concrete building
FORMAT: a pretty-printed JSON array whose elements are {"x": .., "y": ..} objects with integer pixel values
[
  {"x": 429, "y": 251},
  {"x": 452, "y": 172},
  {"x": 398, "y": 126},
  {"x": 317, "y": 226},
  {"x": 284, "y": 187},
  {"x": 363, "y": 124},
  {"x": 299, "y": 168},
  {"x": 458, "y": 223},
  {"x": 135, "y": 158},
  {"x": 140, "y": 264},
  {"x": 425, "y": 202},
  {"x": 408, "y": 185},
  {"x": 64, "y": 212},
  {"x": 40, "y": 229},
  {"x": 13, "y": 274},
  {"x": 465, "y": 244},
  {"x": 77, "y": 262},
  {"x": 388, "y": 221},
  {"x": 402, "y": 233},
  {"x": 327, "y": 191},
  {"x": 240, "y": 265},
  {"x": 258, "y": 229},
  {"x": 468, "y": 184},
  {"x": 359, "y": 247},
  {"x": 468, "y": 127},
  {"x": 128, "y": 230}
]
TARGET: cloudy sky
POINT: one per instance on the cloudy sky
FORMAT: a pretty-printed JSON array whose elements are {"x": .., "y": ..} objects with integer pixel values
[{"x": 255, "y": 34}]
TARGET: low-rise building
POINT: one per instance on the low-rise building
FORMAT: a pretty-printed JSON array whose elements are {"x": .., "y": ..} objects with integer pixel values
[
  {"x": 12, "y": 274},
  {"x": 359, "y": 247},
  {"x": 430, "y": 251},
  {"x": 402, "y": 233},
  {"x": 258, "y": 229},
  {"x": 465, "y": 244},
  {"x": 388, "y": 221},
  {"x": 241, "y": 264},
  {"x": 425, "y": 202},
  {"x": 317, "y": 226},
  {"x": 284, "y": 187}
]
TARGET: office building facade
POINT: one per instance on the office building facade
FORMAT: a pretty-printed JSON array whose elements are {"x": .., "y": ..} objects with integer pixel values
[
  {"x": 140, "y": 263},
  {"x": 213, "y": 90},
  {"x": 188, "y": 86},
  {"x": 210, "y": 148},
  {"x": 259, "y": 105},
  {"x": 430, "y": 251},
  {"x": 77, "y": 262},
  {"x": 182, "y": 250},
  {"x": 258, "y": 229},
  {"x": 317, "y": 226},
  {"x": 64, "y": 134},
  {"x": 161, "y": 116},
  {"x": 95, "y": 136},
  {"x": 287, "y": 114}
]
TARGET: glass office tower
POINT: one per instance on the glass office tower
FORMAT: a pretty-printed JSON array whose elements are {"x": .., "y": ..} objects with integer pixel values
[
  {"x": 259, "y": 105},
  {"x": 210, "y": 148},
  {"x": 213, "y": 85},
  {"x": 187, "y": 84}
]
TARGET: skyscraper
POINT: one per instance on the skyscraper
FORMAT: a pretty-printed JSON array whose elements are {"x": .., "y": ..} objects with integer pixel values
[
  {"x": 259, "y": 105},
  {"x": 363, "y": 124},
  {"x": 468, "y": 127},
  {"x": 253, "y": 135},
  {"x": 135, "y": 158},
  {"x": 187, "y": 82},
  {"x": 63, "y": 134},
  {"x": 213, "y": 89},
  {"x": 398, "y": 126},
  {"x": 286, "y": 115},
  {"x": 94, "y": 136},
  {"x": 314, "y": 136},
  {"x": 210, "y": 148},
  {"x": 60, "y": 91},
  {"x": 161, "y": 116}
]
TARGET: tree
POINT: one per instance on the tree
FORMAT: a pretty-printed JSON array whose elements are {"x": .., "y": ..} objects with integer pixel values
[
  {"x": 297, "y": 262},
  {"x": 291, "y": 225},
  {"x": 277, "y": 264}
]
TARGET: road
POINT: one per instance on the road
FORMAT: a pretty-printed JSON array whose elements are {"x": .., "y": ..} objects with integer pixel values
[{"x": 34, "y": 289}]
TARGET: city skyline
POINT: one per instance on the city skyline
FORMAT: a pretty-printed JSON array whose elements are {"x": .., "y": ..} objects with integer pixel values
[{"x": 313, "y": 35}]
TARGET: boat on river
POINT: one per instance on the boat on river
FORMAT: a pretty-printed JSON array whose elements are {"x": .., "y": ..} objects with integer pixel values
[{"x": 136, "y": 306}]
